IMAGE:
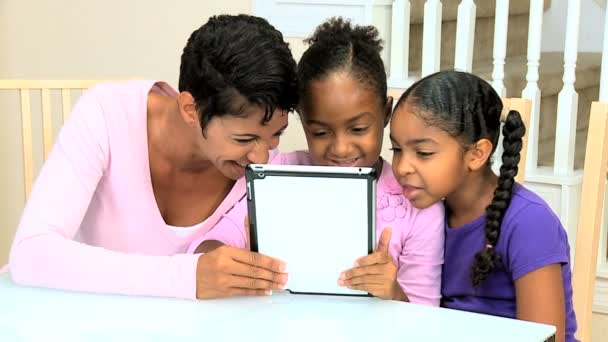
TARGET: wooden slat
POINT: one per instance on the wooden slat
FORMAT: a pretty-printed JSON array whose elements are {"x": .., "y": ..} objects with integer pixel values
[
  {"x": 590, "y": 219},
  {"x": 47, "y": 121},
  {"x": 50, "y": 84},
  {"x": 26, "y": 131},
  {"x": 66, "y": 103}
]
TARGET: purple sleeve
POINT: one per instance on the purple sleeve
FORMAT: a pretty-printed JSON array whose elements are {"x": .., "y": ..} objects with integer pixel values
[
  {"x": 421, "y": 258},
  {"x": 535, "y": 238}
]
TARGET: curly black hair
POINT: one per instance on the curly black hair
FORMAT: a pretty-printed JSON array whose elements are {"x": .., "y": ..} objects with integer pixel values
[
  {"x": 337, "y": 45},
  {"x": 468, "y": 108},
  {"x": 235, "y": 61}
]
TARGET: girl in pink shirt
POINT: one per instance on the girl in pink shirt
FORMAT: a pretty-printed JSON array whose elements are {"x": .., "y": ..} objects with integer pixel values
[
  {"x": 344, "y": 109},
  {"x": 139, "y": 171}
]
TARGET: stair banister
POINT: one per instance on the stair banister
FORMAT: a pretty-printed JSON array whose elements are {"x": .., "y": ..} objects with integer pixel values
[
  {"x": 532, "y": 91},
  {"x": 431, "y": 37}
]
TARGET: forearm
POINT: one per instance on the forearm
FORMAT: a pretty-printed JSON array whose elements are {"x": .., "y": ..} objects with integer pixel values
[{"x": 50, "y": 260}]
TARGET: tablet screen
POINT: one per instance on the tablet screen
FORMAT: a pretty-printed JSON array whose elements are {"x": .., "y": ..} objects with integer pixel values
[{"x": 318, "y": 220}]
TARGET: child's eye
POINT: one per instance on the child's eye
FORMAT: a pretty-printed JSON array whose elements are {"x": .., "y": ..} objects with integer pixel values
[
  {"x": 278, "y": 134},
  {"x": 395, "y": 150},
  {"x": 423, "y": 154},
  {"x": 319, "y": 133},
  {"x": 360, "y": 129}
]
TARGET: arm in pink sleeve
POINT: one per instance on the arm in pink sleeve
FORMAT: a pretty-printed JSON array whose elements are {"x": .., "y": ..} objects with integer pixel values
[
  {"x": 230, "y": 230},
  {"x": 421, "y": 259},
  {"x": 44, "y": 252}
]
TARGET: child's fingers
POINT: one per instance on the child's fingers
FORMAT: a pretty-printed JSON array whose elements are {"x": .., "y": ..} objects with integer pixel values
[
  {"x": 246, "y": 225},
  {"x": 374, "y": 258},
  {"x": 385, "y": 240},
  {"x": 360, "y": 271},
  {"x": 373, "y": 289},
  {"x": 361, "y": 280}
]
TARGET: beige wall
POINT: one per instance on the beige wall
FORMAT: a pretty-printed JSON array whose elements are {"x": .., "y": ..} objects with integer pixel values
[
  {"x": 599, "y": 328},
  {"x": 113, "y": 39},
  {"x": 72, "y": 39}
]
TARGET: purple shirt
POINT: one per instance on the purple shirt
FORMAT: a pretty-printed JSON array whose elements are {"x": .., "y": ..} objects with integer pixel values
[{"x": 531, "y": 237}]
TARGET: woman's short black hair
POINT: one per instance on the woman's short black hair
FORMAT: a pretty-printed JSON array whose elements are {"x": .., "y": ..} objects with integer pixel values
[{"x": 235, "y": 61}]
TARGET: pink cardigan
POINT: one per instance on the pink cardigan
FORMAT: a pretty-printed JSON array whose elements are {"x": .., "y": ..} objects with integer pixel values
[{"x": 91, "y": 222}]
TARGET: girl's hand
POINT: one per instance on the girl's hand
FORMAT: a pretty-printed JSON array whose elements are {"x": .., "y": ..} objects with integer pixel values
[{"x": 375, "y": 273}]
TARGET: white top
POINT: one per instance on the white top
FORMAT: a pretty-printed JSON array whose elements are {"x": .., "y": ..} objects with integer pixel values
[
  {"x": 185, "y": 231},
  {"x": 33, "y": 314}
]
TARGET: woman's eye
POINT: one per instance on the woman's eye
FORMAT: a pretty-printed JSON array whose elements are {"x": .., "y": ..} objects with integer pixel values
[
  {"x": 278, "y": 134},
  {"x": 395, "y": 149},
  {"x": 244, "y": 141},
  {"x": 319, "y": 133}
]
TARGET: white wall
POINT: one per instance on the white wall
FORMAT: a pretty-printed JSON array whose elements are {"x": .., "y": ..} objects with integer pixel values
[{"x": 591, "y": 29}]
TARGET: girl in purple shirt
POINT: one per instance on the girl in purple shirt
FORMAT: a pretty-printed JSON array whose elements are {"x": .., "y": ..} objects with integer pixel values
[{"x": 506, "y": 253}]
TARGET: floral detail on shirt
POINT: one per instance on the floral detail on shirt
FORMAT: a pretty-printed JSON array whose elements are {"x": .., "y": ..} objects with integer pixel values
[{"x": 390, "y": 206}]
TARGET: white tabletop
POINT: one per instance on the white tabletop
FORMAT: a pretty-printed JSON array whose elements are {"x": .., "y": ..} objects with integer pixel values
[{"x": 34, "y": 314}]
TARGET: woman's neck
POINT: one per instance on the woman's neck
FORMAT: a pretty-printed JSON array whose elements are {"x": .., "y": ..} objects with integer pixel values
[
  {"x": 168, "y": 137},
  {"x": 472, "y": 198}
]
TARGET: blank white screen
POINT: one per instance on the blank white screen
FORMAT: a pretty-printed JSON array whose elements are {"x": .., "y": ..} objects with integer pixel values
[{"x": 318, "y": 226}]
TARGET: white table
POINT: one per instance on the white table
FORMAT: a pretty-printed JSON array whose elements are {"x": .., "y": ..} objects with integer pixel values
[{"x": 34, "y": 314}]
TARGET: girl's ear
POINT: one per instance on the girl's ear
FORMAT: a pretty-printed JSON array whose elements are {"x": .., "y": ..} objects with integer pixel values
[
  {"x": 187, "y": 108},
  {"x": 477, "y": 156},
  {"x": 388, "y": 110}
]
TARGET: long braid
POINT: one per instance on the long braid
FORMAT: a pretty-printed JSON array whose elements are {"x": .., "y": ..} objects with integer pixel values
[{"x": 487, "y": 260}]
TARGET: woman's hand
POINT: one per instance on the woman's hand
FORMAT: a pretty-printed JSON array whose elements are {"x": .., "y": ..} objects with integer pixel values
[
  {"x": 375, "y": 273},
  {"x": 228, "y": 271}
]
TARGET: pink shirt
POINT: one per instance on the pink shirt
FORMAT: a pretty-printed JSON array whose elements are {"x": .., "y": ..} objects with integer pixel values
[
  {"x": 91, "y": 222},
  {"x": 416, "y": 243}
]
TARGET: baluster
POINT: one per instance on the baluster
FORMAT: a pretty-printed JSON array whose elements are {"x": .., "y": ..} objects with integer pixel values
[
  {"x": 501, "y": 26},
  {"x": 400, "y": 41},
  {"x": 531, "y": 91},
  {"x": 465, "y": 36},
  {"x": 431, "y": 37},
  {"x": 604, "y": 74},
  {"x": 567, "y": 100}
]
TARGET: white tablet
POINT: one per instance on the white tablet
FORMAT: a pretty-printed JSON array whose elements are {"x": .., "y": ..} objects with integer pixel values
[{"x": 318, "y": 219}]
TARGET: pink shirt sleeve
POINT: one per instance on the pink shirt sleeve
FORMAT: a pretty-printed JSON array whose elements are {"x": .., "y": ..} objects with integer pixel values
[
  {"x": 45, "y": 253},
  {"x": 421, "y": 258}
]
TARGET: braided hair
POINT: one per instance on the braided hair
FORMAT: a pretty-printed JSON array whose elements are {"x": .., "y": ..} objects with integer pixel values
[
  {"x": 235, "y": 61},
  {"x": 468, "y": 109},
  {"x": 339, "y": 46}
]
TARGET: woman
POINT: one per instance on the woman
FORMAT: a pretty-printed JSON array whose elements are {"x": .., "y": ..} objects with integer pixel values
[{"x": 140, "y": 170}]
